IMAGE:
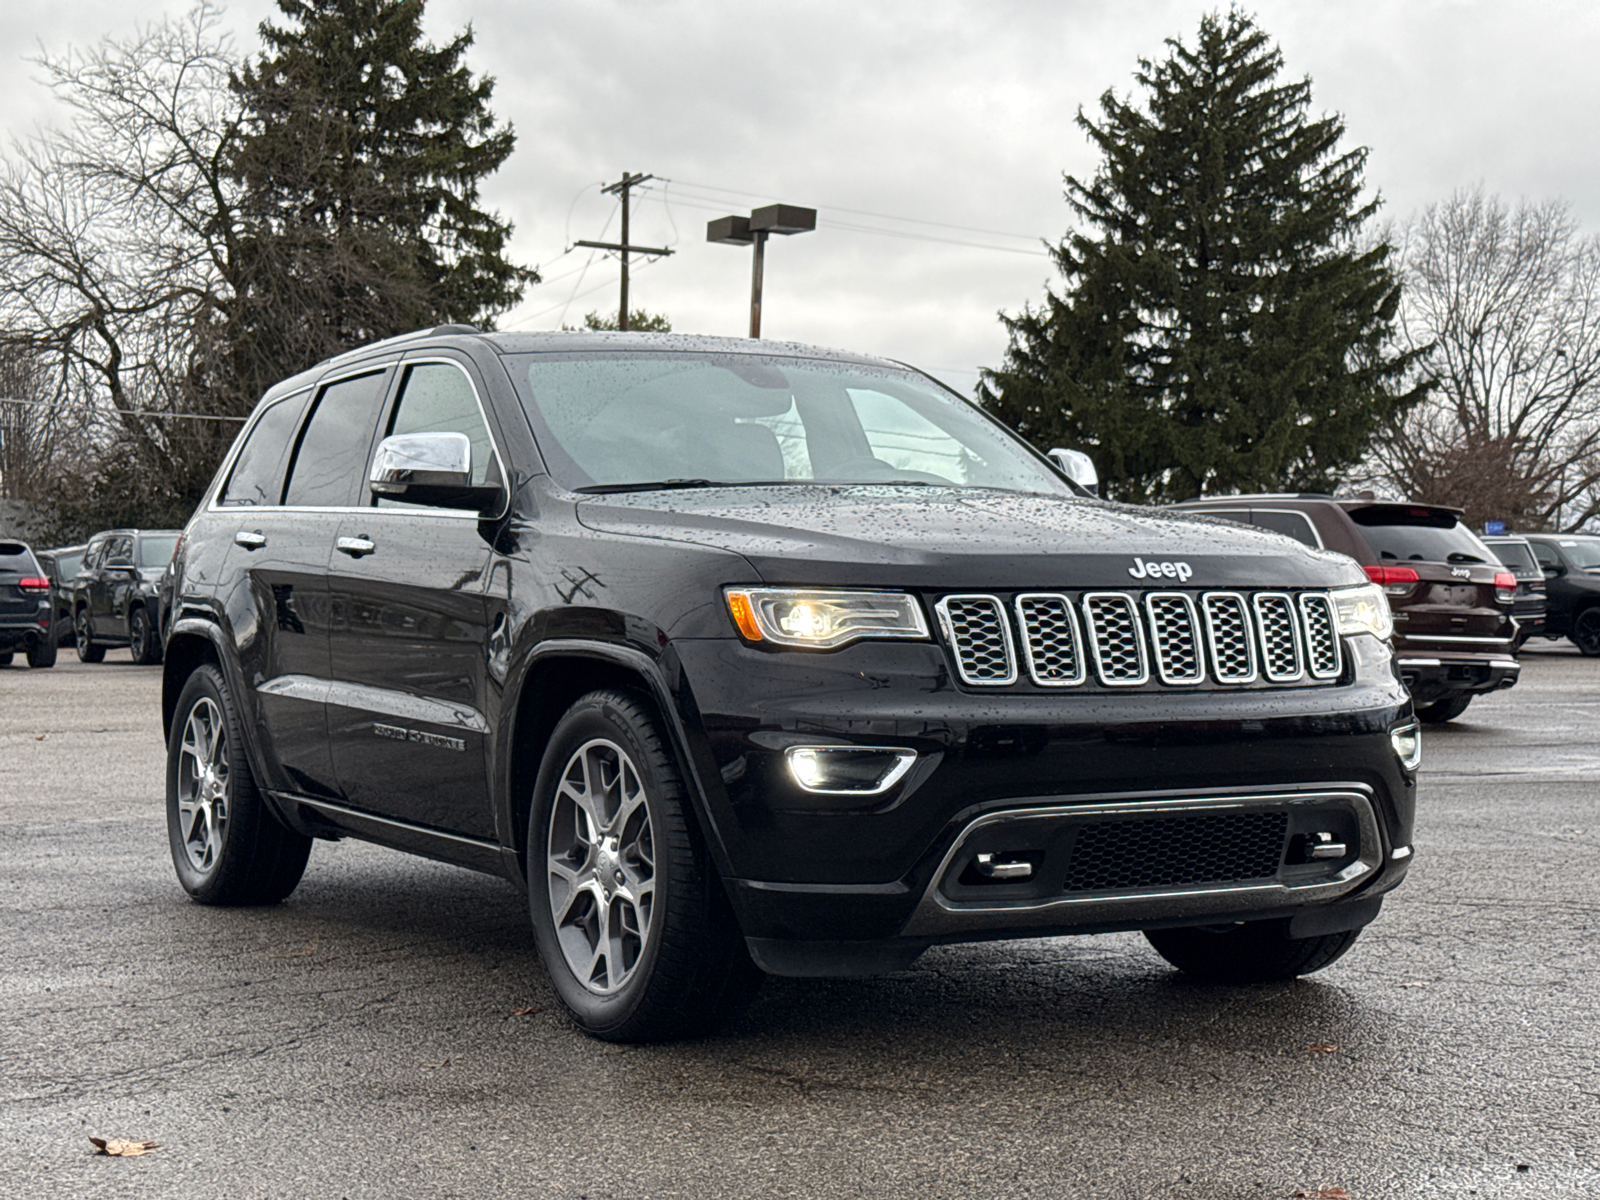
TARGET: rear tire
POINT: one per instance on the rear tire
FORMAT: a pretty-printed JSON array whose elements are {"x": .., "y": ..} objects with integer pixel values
[
  {"x": 142, "y": 638},
  {"x": 629, "y": 915},
  {"x": 87, "y": 650},
  {"x": 42, "y": 653},
  {"x": 227, "y": 845},
  {"x": 1585, "y": 634},
  {"x": 1252, "y": 952},
  {"x": 1444, "y": 710}
]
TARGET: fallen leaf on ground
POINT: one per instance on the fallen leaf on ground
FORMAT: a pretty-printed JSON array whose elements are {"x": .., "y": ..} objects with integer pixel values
[
  {"x": 527, "y": 1012},
  {"x": 120, "y": 1148},
  {"x": 1333, "y": 1193},
  {"x": 1415, "y": 983},
  {"x": 1323, "y": 1047}
]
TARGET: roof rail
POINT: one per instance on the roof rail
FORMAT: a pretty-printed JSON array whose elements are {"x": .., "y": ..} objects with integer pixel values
[{"x": 398, "y": 340}]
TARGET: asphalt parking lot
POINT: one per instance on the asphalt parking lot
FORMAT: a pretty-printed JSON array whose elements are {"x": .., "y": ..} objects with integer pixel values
[{"x": 388, "y": 1032}]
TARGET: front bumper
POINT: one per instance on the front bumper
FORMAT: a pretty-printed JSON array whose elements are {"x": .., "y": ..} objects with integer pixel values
[{"x": 831, "y": 885}]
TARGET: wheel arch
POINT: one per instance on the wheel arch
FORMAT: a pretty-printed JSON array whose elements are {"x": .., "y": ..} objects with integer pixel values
[{"x": 557, "y": 675}]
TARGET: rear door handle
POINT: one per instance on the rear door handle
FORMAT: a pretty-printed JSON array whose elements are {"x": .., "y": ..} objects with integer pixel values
[
  {"x": 250, "y": 539},
  {"x": 355, "y": 547}
]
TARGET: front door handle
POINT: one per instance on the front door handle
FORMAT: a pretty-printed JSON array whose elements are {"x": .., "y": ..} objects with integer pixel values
[
  {"x": 355, "y": 547},
  {"x": 250, "y": 539}
]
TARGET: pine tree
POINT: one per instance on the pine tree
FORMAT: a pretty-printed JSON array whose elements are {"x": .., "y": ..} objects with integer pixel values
[
  {"x": 1222, "y": 329},
  {"x": 359, "y": 165}
]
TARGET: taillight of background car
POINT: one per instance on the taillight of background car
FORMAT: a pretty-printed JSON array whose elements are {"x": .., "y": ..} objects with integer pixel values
[
  {"x": 1396, "y": 581},
  {"x": 1505, "y": 586}
]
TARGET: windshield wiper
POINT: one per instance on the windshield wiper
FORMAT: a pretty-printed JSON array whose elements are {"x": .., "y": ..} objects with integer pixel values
[
  {"x": 652, "y": 485},
  {"x": 1460, "y": 556}
]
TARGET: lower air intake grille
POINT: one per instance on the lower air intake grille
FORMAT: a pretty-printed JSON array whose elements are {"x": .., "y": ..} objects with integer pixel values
[{"x": 1159, "y": 851}]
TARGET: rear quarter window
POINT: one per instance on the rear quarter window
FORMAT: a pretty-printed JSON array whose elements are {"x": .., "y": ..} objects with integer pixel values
[{"x": 15, "y": 556}]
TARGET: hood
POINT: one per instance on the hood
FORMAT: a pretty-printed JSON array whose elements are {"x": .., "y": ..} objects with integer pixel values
[{"x": 954, "y": 538}]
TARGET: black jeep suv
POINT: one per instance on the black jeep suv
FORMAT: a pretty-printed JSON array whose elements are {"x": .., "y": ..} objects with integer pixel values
[
  {"x": 25, "y": 607},
  {"x": 746, "y": 657},
  {"x": 1571, "y": 566},
  {"x": 115, "y": 593}
]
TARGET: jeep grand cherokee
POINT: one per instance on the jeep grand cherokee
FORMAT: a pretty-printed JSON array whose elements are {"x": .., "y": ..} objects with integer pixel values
[{"x": 744, "y": 657}]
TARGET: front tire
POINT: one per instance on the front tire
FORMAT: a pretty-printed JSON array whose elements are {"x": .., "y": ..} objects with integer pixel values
[
  {"x": 87, "y": 650},
  {"x": 142, "y": 638},
  {"x": 227, "y": 845},
  {"x": 42, "y": 653},
  {"x": 1252, "y": 952},
  {"x": 1585, "y": 634},
  {"x": 628, "y": 913},
  {"x": 1444, "y": 710}
]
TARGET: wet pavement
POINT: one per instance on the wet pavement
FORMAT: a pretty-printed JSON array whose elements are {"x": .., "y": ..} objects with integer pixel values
[{"x": 388, "y": 1032}]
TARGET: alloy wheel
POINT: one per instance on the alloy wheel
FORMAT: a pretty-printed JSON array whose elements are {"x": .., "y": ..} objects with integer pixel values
[
  {"x": 600, "y": 865},
  {"x": 203, "y": 784},
  {"x": 1586, "y": 631}
]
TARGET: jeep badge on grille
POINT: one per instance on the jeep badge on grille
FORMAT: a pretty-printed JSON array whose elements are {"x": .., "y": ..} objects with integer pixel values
[{"x": 1148, "y": 569}]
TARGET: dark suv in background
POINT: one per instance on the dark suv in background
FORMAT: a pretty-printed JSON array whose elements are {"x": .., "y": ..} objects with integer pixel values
[
  {"x": 1571, "y": 566},
  {"x": 1529, "y": 605},
  {"x": 61, "y": 566},
  {"x": 1452, "y": 598},
  {"x": 25, "y": 623},
  {"x": 115, "y": 595},
  {"x": 741, "y": 656}
]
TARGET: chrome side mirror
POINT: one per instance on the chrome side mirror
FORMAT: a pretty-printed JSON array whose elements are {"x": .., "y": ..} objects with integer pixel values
[
  {"x": 428, "y": 468},
  {"x": 1076, "y": 466}
]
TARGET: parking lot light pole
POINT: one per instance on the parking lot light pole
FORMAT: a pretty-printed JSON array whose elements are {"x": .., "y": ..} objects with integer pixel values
[{"x": 753, "y": 231}]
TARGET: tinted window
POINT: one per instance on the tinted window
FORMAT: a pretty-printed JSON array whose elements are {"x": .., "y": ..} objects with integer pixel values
[
  {"x": 1294, "y": 524},
  {"x": 155, "y": 550},
  {"x": 1581, "y": 552},
  {"x": 1433, "y": 541},
  {"x": 334, "y": 444},
  {"x": 258, "y": 471},
  {"x": 1515, "y": 555},
  {"x": 119, "y": 550},
  {"x": 616, "y": 419},
  {"x": 14, "y": 556},
  {"x": 1546, "y": 555},
  {"x": 438, "y": 398}
]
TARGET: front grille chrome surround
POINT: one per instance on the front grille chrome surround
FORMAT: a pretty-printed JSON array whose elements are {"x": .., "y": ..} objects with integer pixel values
[
  {"x": 1175, "y": 638},
  {"x": 1233, "y": 648},
  {"x": 1052, "y": 639},
  {"x": 1130, "y": 639},
  {"x": 1324, "y": 659},
  {"x": 1116, "y": 639},
  {"x": 1281, "y": 660},
  {"x": 977, "y": 629}
]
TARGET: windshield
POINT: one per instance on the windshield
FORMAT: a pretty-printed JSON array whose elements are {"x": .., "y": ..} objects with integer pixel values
[
  {"x": 1584, "y": 553},
  {"x": 156, "y": 551},
  {"x": 608, "y": 421}
]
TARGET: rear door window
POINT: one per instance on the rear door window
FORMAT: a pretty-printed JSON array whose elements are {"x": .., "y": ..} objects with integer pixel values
[
  {"x": 1515, "y": 555},
  {"x": 330, "y": 458}
]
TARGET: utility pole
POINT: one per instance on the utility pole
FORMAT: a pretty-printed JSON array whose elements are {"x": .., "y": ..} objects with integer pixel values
[{"x": 623, "y": 248}]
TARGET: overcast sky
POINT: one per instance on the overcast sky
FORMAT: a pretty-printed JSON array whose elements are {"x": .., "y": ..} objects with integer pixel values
[{"x": 943, "y": 126}]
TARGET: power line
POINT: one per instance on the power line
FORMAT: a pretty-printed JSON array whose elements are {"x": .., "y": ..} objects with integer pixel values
[{"x": 144, "y": 412}]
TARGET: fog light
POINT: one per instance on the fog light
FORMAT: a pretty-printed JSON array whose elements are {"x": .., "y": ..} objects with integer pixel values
[
  {"x": 848, "y": 770},
  {"x": 1407, "y": 743}
]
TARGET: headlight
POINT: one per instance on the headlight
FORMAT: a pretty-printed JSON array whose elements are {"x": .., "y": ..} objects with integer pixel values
[
  {"x": 823, "y": 620},
  {"x": 1363, "y": 609}
]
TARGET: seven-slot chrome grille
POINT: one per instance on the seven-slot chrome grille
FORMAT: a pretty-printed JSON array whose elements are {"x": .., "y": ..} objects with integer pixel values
[{"x": 1127, "y": 639}]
